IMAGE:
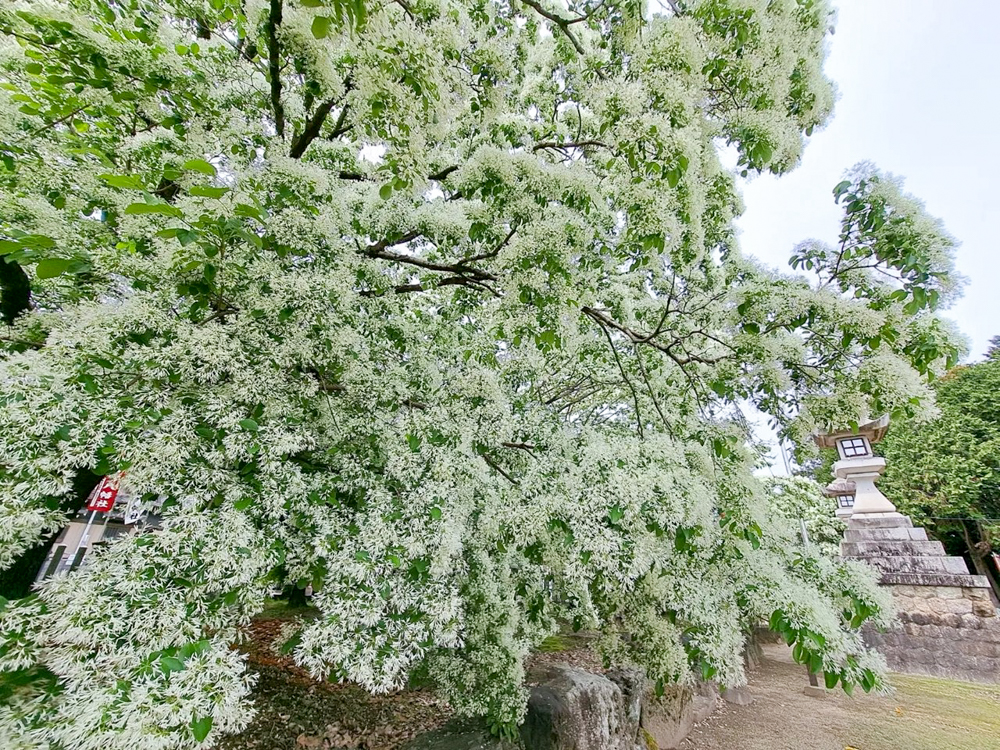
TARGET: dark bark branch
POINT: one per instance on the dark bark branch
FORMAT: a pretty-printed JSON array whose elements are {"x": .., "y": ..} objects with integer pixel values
[
  {"x": 15, "y": 291},
  {"x": 640, "y": 338},
  {"x": 438, "y": 176},
  {"x": 274, "y": 66},
  {"x": 380, "y": 250},
  {"x": 562, "y": 23},
  {"x": 406, "y": 8},
  {"x": 569, "y": 144},
  {"x": 495, "y": 466},
  {"x": 520, "y": 446},
  {"x": 649, "y": 387},
  {"x": 339, "y": 128},
  {"x": 621, "y": 369},
  {"x": 313, "y": 126},
  {"x": 492, "y": 253}
]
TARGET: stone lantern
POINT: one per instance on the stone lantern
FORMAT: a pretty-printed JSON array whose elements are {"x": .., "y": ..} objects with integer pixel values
[
  {"x": 947, "y": 617},
  {"x": 859, "y": 466},
  {"x": 843, "y": 491}
]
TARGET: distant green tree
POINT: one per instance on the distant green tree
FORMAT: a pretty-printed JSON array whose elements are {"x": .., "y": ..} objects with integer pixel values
[
  {"x": 946, "y": 473},
  {"x": 799, "y": 498}
]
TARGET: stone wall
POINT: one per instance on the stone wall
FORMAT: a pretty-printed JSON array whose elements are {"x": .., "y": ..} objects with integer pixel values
[
  {"x": 943, "y": 631},
  {"x": 948, "y": 624}
]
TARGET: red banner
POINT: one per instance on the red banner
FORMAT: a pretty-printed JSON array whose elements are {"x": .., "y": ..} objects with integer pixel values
[{"x": 104, "y": 497}]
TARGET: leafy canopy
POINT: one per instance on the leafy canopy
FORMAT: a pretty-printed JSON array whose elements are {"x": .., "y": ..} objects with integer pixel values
[
  {"x": 436, "y": 305},
  {"x": 945, "y": 472}
]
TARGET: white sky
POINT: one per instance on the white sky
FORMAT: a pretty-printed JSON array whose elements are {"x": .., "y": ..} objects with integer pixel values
[{"x": 919, "y": 86}]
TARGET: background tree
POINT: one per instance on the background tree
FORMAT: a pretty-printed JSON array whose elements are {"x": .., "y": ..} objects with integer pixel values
[
  {"x": 436, "y": 305},
  {"x": 800, "y": 499},
  {"x": 946, "y": 472}
]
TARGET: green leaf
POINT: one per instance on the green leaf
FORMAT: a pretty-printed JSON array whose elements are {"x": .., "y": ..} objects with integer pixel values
[
  {"x": 435, "y": 513},
  {"x": 830, "y": 678},
  {"x": 321, "y": 26},
  {"x": 251, "y": 212},
  {"x": 203, "y": 191},
  {"x": 200, "y": 165},
  {"x": 288, "y": 646},
  {"x": 414, "y": 442},
  {"x": 311, "y": 3},
  {"x": 9, "y": 246},
  {"x": 52, "y": 267},
  {"x": 385, "y": 192},
  {"x": 154, "y": 208},
  {"x": 39, "y": 241},
  {"x": 170, "y": 664},
  {"x": 187, "y": 236},
  {"x": 249, "y": 425},
  {"x": 201, "y": 727},
  {"x": 33, "y": 68},
  {"x": 128, "y": 181}
]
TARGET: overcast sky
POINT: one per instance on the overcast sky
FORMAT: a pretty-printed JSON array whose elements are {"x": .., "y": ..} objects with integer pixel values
[{"x": 919, "y": 95}]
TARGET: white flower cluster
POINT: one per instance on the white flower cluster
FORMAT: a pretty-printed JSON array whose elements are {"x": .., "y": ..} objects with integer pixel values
[{"x": 434, "y": 309}]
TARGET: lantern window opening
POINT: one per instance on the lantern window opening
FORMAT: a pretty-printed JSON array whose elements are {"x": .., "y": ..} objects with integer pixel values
[
  {"x": 854, "y": 447},
  {"x": 845, "y": 501}
]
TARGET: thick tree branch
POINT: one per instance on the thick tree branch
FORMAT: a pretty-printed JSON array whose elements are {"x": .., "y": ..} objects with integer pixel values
[
  {"x": 312, "y": 129},
  {"x": 380, "y": 250},
  {"x": 15, "y": 290},
  {"x": 274, "y": 66},
  {"x": 562, "y": 23},
  {"x": 438, "y": 176}
]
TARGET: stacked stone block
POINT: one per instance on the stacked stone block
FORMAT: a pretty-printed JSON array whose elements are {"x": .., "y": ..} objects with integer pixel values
[{"x": 948, "y": 624}]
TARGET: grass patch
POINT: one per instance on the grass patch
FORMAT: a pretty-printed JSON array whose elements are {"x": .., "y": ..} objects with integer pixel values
[{"x": 928, "y": 713}]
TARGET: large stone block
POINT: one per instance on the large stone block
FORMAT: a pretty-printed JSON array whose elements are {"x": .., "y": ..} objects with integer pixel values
[
  {"x": 879, "y": 521},
  {"x": 891, "y": 547},
  {"x": 917, "y": 564},
  {"x": 575, "y": 710},
  {"x": 932, "y": 579},
  {"x": 901, "y": 533},
  {"x": 669, "y": 719}
]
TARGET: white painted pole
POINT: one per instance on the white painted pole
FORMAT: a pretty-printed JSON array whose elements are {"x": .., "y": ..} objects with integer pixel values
[{"x": 86, "y": 532}]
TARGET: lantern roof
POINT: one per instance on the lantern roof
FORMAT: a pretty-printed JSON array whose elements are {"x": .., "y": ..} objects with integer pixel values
[
  {"x": 874, "y": 431},
  {"x": 840, "y": 487}
]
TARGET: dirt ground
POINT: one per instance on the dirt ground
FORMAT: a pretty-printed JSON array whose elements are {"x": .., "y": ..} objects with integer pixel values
[{"x": 923, "y": 714}]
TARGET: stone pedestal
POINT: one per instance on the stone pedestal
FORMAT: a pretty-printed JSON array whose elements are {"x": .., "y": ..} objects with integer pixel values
[{"x": 948, "y": 625}]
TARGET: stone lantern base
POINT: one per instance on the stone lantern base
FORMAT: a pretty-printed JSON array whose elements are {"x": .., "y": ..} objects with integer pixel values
[{"x": 948, "y": 624}]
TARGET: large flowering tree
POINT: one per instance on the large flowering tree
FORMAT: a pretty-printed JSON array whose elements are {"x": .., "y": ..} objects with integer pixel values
[{"x": 437, "y": 306}]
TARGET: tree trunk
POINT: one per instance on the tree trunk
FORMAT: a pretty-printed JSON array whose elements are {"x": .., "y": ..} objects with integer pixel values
[{"x": 979, "y": 561}]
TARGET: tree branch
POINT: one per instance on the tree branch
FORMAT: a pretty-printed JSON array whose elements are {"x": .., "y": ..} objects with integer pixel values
[
  {"x": 640, "y": 338},
  {"x": 380, "y": 250},
  {"x": 562, "y": 23},
  {"x": 621, "y": 369},
  {"x": 313, "y": 125},
  {"x": 274, "y": 66},
  {"x": 571, "y": 144},
  {"x": 496, "y": 467}
]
